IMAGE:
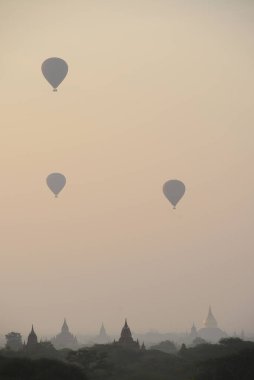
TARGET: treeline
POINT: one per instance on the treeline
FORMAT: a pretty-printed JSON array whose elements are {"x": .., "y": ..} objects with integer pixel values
[
  {"x": 235, "y": 367},
  {"x": 40, "y": 369},
  {"x": 231, "y": 359}
]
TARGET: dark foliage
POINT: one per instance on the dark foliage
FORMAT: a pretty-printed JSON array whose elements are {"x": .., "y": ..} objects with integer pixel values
[
  {"x": 166, "y": 346},
  {"x": 42, "y": 369},
  {"x": 231, "y": 359},
  {"x": 118, "y": 363},
  {"x": 236, "y": 367}
]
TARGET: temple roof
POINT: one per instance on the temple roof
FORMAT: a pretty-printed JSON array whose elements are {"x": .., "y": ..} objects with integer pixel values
[
  {"x": 32, "y": 338},
  {"x": 32, "y": 333},
  {"x": 102, "y": 331},
  {"x": 210, "y": 321},
  {"x": 65, "y": 339},
  {"x": 126, "y": 336},
  {"x": 65, "y": 327}
]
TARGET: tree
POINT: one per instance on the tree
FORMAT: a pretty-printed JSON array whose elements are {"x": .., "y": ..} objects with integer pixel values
[
  {"x": 230, "y": 341},
  {"x": 166, "y": 346},
  {"x": 183, "y": 350},
  {"x": 198, "y": 341}
]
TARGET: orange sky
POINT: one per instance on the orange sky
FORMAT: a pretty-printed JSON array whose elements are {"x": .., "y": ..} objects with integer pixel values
[{"x": 155, "y": 90}]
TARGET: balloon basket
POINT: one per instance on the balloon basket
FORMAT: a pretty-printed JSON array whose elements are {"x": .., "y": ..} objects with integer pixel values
[{"x": 54, "y": 89}]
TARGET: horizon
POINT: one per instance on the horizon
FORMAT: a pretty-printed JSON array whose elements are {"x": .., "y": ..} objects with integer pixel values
[{"x": 116, "y": 333}]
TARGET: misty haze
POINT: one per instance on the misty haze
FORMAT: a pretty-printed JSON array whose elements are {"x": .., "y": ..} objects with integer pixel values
[{"x": 127, "y": 189}]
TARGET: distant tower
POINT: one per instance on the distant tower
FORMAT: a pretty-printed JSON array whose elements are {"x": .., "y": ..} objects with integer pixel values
[
  {"x": 194, "y": 330},
  {"x": 65, "y": 339},
  {"x": 210, "y": 321},
  {"x": 211, "y": 332},
  {"x": 32, "y": 339},
  {"x": 102, "y": 333},
  {"x": 65, "y": 328},
  {"x": 102, "y": 338},
  {"x": 193, "y": 334},
  {"x": 126, "y": 337}
]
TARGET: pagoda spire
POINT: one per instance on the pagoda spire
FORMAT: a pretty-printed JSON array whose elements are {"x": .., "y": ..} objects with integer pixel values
[
  {"x": 126, "y": 336},
  {"x": 32, "y": 338},
  {"x": 210, "y": 321},
  {"x": 194, "y": 329},
  {"x": 102, "y": 331},
  {"x": 65, "y": 327}
]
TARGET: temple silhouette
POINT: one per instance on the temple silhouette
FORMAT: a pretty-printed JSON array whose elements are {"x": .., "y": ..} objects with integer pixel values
[
  {"x": 126, "y": 340},
  {"x": 32, "y": 339},
  {"x": 103, "y": 337},
  {"x": 210, "y": 332},
  {"x": 65, "y": 339}
]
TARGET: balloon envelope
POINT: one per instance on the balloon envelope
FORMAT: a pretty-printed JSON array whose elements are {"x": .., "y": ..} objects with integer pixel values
[
  {"x": 56, "y": 182},
  {"x": 174, "y": 190},
  {"x": 54, "y": 70}
]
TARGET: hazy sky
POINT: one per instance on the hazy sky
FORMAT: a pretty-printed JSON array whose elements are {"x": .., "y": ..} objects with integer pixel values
[{"x": 156, "y": 89}]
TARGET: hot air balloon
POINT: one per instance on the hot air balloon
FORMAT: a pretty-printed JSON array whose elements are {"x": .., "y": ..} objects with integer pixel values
[
  {"x": 56, "y": 182},
  {"x": 54, "y": 70},
  {"x": 174, "y": 190}
]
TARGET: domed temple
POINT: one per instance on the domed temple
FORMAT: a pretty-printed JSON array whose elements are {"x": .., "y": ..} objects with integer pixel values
[
  {"x": 65, "y": 339},
  {"x": 211, "y": 332}
]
